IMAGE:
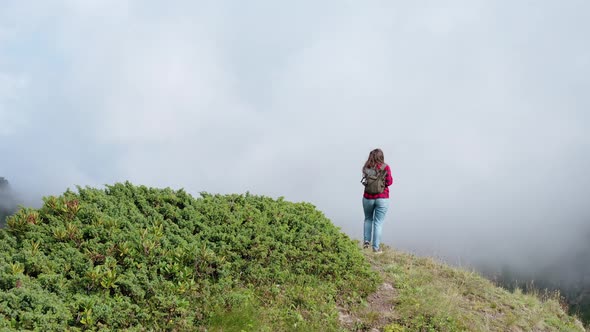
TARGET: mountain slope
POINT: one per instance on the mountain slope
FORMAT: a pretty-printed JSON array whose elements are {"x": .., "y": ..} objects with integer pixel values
[
  {"x": 7, "y": 201},
  {"x": 135, "y": 258},
  {"x": 421, "y": 294}
]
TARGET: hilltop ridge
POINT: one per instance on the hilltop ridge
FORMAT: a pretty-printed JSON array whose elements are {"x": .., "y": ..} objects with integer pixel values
[
  {"x": 136, "y": 258},
  {"x": 424, "y": 294}
]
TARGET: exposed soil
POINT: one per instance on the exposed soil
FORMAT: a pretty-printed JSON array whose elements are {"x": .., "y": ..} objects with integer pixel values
[{"x": 379, "y": 311}]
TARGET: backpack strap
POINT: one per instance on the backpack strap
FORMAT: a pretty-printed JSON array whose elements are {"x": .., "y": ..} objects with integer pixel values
[{"x": 381, "y": 171}]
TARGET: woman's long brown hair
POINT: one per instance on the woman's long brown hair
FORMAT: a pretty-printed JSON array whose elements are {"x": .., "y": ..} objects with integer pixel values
[{"x": 375, "y": 158}]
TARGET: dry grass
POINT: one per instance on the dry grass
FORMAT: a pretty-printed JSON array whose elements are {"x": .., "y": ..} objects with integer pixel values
[{"x": 431, "y": 296}]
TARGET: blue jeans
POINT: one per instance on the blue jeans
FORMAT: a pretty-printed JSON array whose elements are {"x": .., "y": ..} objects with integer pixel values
[{"x": 375, "y": 210}]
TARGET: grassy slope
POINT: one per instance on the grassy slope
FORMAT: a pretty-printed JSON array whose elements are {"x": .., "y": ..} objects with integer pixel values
[
  {"x": 135, "y": 258},
  {"x": 431, "y": 296}
]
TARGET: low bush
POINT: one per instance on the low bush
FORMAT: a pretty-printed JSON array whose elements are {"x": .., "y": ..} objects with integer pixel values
[{"x": 133, "y": 257}]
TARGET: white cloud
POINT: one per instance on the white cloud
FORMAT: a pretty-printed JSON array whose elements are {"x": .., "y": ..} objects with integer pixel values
[{"x": 11, "y": 120}]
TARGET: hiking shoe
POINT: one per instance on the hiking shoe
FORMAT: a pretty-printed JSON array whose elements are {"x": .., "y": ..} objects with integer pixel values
[
  {"x": 366, "y": 245},
  {"x": 377, "y": 251}
]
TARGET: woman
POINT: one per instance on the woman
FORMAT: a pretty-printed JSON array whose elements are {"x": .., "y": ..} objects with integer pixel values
[{"x": 375, "y": 205}]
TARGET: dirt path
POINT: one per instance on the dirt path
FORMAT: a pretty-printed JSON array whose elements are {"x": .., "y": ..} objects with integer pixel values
[{"x": 378, "y": 312}]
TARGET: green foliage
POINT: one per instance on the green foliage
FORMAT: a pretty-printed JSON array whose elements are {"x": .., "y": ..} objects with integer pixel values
[{"x": 132, "y": 257}]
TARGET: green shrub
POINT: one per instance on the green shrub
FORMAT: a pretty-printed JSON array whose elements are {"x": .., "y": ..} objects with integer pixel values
[{"x": 136, "y": 257}]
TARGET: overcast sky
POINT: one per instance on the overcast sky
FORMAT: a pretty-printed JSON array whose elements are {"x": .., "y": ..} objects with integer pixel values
[{"x": 481, "y": 108}]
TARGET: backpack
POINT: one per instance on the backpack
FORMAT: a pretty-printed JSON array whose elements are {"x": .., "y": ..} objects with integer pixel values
[{"x": 374, "y": 180}]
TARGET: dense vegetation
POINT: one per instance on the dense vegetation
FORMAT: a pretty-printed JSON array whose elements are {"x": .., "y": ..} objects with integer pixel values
[
  {"x": 135, "y": 258},
  {"x": 132, "y": 257}
]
